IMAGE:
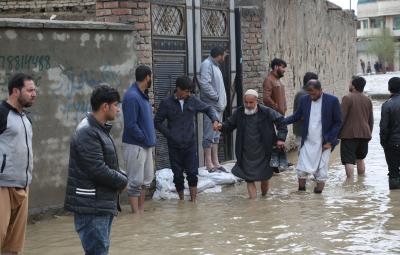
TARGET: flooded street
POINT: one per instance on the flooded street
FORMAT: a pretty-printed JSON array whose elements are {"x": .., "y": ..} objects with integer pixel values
[{"x": 356, "y": 216}]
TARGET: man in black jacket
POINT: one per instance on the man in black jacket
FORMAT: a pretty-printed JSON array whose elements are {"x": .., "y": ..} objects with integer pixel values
[
  {"x": 94, "y": 177},
  {"x": 180, "y": 110},
  {"x": 390, "y": 132},
  {"x": 255, "y": 126}
]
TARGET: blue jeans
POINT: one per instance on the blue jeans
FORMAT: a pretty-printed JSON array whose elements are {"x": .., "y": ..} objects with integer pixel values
[{"x": 94, "y": 232}]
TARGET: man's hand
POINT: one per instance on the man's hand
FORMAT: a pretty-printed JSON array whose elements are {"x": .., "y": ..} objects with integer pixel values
[
  {"x": 326, "y": 146},
  {"x": 217, "y": 126},
  {"x": 280, "y": 144}
]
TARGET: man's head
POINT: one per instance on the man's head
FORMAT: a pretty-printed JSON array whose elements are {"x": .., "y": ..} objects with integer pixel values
[
  {"x": 314, "y": 89},
  {"x": 309, "y": 76},
  {"x": 143, "y": 74},
  {"x": 357, "y": 83},
  {"x": 22, "y": 90},
  {"x": 105, "y": 101},
  {"x": 184, "y": 87},
  {"x": 394, "y": 85},
  {"x": 250, "y": 101},
  {"x": 218, "y": 54},
  {"x": 278, "y": 66}
]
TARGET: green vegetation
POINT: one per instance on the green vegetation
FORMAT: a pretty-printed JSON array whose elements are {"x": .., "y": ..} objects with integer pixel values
[{"x": 382, "y": 45}]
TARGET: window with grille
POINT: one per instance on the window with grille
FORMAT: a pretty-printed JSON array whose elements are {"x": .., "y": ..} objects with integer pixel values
[
  {"x": 396, "y": 22},
  {"x": 378, "y": 23}
]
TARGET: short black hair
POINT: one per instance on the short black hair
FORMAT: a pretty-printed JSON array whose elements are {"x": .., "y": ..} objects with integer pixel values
[
  {"x": 217, "y": 51},
  {"x": 184, "y": 83},
  {"x": 142, "y": 72},
  {"x": 359, "y": 83},
  {"x": 394, "y": 85},
  {"x": 314, "y": 84},
  {"x": 309, "y": 76},
  {"x": 17, "y": 81},
  {"x": 101, "y": 94},
  {"x": 278, "y": 62}
]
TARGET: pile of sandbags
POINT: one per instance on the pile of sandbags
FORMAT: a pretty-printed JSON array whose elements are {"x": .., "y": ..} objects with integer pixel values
[{"x": 208, "y": 182}]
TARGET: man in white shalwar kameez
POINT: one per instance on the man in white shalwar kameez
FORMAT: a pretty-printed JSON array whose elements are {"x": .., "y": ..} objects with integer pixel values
[{"x": 322, "y": 121}]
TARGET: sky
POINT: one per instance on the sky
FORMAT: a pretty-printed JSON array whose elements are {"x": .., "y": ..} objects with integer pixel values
[{"x": 345, "y": 4}]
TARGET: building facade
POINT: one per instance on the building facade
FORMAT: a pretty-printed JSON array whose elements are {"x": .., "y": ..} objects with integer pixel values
[{"x": 373, "y": 17}]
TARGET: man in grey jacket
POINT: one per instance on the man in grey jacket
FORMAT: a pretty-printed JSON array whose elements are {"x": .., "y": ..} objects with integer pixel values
[
  {"x": 212, "y": 92},
  {"x": 16, "y": 162}
]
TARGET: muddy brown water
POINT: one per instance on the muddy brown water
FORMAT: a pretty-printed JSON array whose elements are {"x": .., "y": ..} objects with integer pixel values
[{"x": 358, "y": 216}]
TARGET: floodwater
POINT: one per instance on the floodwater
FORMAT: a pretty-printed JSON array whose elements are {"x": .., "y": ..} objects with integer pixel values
[{"x": 357, "y": 216}]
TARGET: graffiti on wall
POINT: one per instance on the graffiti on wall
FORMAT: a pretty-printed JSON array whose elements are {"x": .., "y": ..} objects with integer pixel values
[
  {"x": 73, "y": 86},
  {"x": 10, "y": 64},
  {"x": 69, "y": 86}
]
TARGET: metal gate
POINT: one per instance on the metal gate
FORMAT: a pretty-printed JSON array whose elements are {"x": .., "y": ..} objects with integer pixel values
[{"x": 183, "y": 33}]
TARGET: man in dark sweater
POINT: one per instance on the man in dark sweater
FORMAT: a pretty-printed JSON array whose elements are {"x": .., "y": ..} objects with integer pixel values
[
  {"x": 390, "y": 132},
  {"x": 180, "y": 110},
  {"x": 298, "y": 126}
]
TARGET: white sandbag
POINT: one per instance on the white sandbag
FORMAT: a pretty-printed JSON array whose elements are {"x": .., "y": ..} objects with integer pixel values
[
  {"x": 207, "y": 182},
  {"x": 220, "y": 178},
  {"x": 202, "y": 184}
]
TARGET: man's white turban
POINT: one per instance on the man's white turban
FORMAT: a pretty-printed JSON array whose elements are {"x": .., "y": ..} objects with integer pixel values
[{"x": 251, "y": 92}]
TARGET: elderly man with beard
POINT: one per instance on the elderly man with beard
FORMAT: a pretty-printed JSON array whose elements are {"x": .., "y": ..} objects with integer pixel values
[{"x": 255, "y": 137}]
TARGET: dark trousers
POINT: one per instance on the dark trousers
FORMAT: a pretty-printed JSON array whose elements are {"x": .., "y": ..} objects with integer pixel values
[
  {"x": 184, "y": 160},
  {"x": 392, "y": 154}
]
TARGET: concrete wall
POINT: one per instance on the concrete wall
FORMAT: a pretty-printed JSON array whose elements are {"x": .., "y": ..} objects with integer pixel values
[
  {"x": 304, "y": 33},
  {"x": 310, "y": 35},
  {"x": 67, "y": 59}
]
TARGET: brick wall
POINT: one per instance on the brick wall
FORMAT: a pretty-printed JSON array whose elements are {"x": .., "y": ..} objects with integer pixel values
[
  {"x": 135, "y": 13},
  {"x": 44, "y": 9},
  {"x": 254, "y": 61}
]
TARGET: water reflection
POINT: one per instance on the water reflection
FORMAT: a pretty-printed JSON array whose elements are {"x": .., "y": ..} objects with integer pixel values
[{"x": 356, "y": 216}]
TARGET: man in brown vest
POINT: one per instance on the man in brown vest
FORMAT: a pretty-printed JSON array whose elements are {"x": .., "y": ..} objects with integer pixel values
[
  {"x": 274, "y": 97},
  {"x": 274, "y": 89},
  {"x": 358, "y": 121}
]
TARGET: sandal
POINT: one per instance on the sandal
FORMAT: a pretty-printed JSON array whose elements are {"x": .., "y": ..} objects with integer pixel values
[
  {"x": 211, "y": 170},
  {"x": 222, "y": 169}
]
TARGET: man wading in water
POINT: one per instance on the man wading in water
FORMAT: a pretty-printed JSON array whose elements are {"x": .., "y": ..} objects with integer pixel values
[{"x": 255, "y": 137}]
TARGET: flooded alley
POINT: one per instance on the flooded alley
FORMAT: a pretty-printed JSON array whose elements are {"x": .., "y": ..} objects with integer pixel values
[{"x": 355, "y": 216}]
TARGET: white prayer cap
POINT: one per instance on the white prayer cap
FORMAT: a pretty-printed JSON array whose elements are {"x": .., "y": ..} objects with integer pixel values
[{"x": 251, "y": 92}]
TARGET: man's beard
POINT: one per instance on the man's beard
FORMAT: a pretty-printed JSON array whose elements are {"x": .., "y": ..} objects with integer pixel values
[
  {"x": 280, "y": 74},
  {"x": 248, "y": 111},
  {"x": 149, "y": 84},
  {"x": 24, "y": 103}
]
